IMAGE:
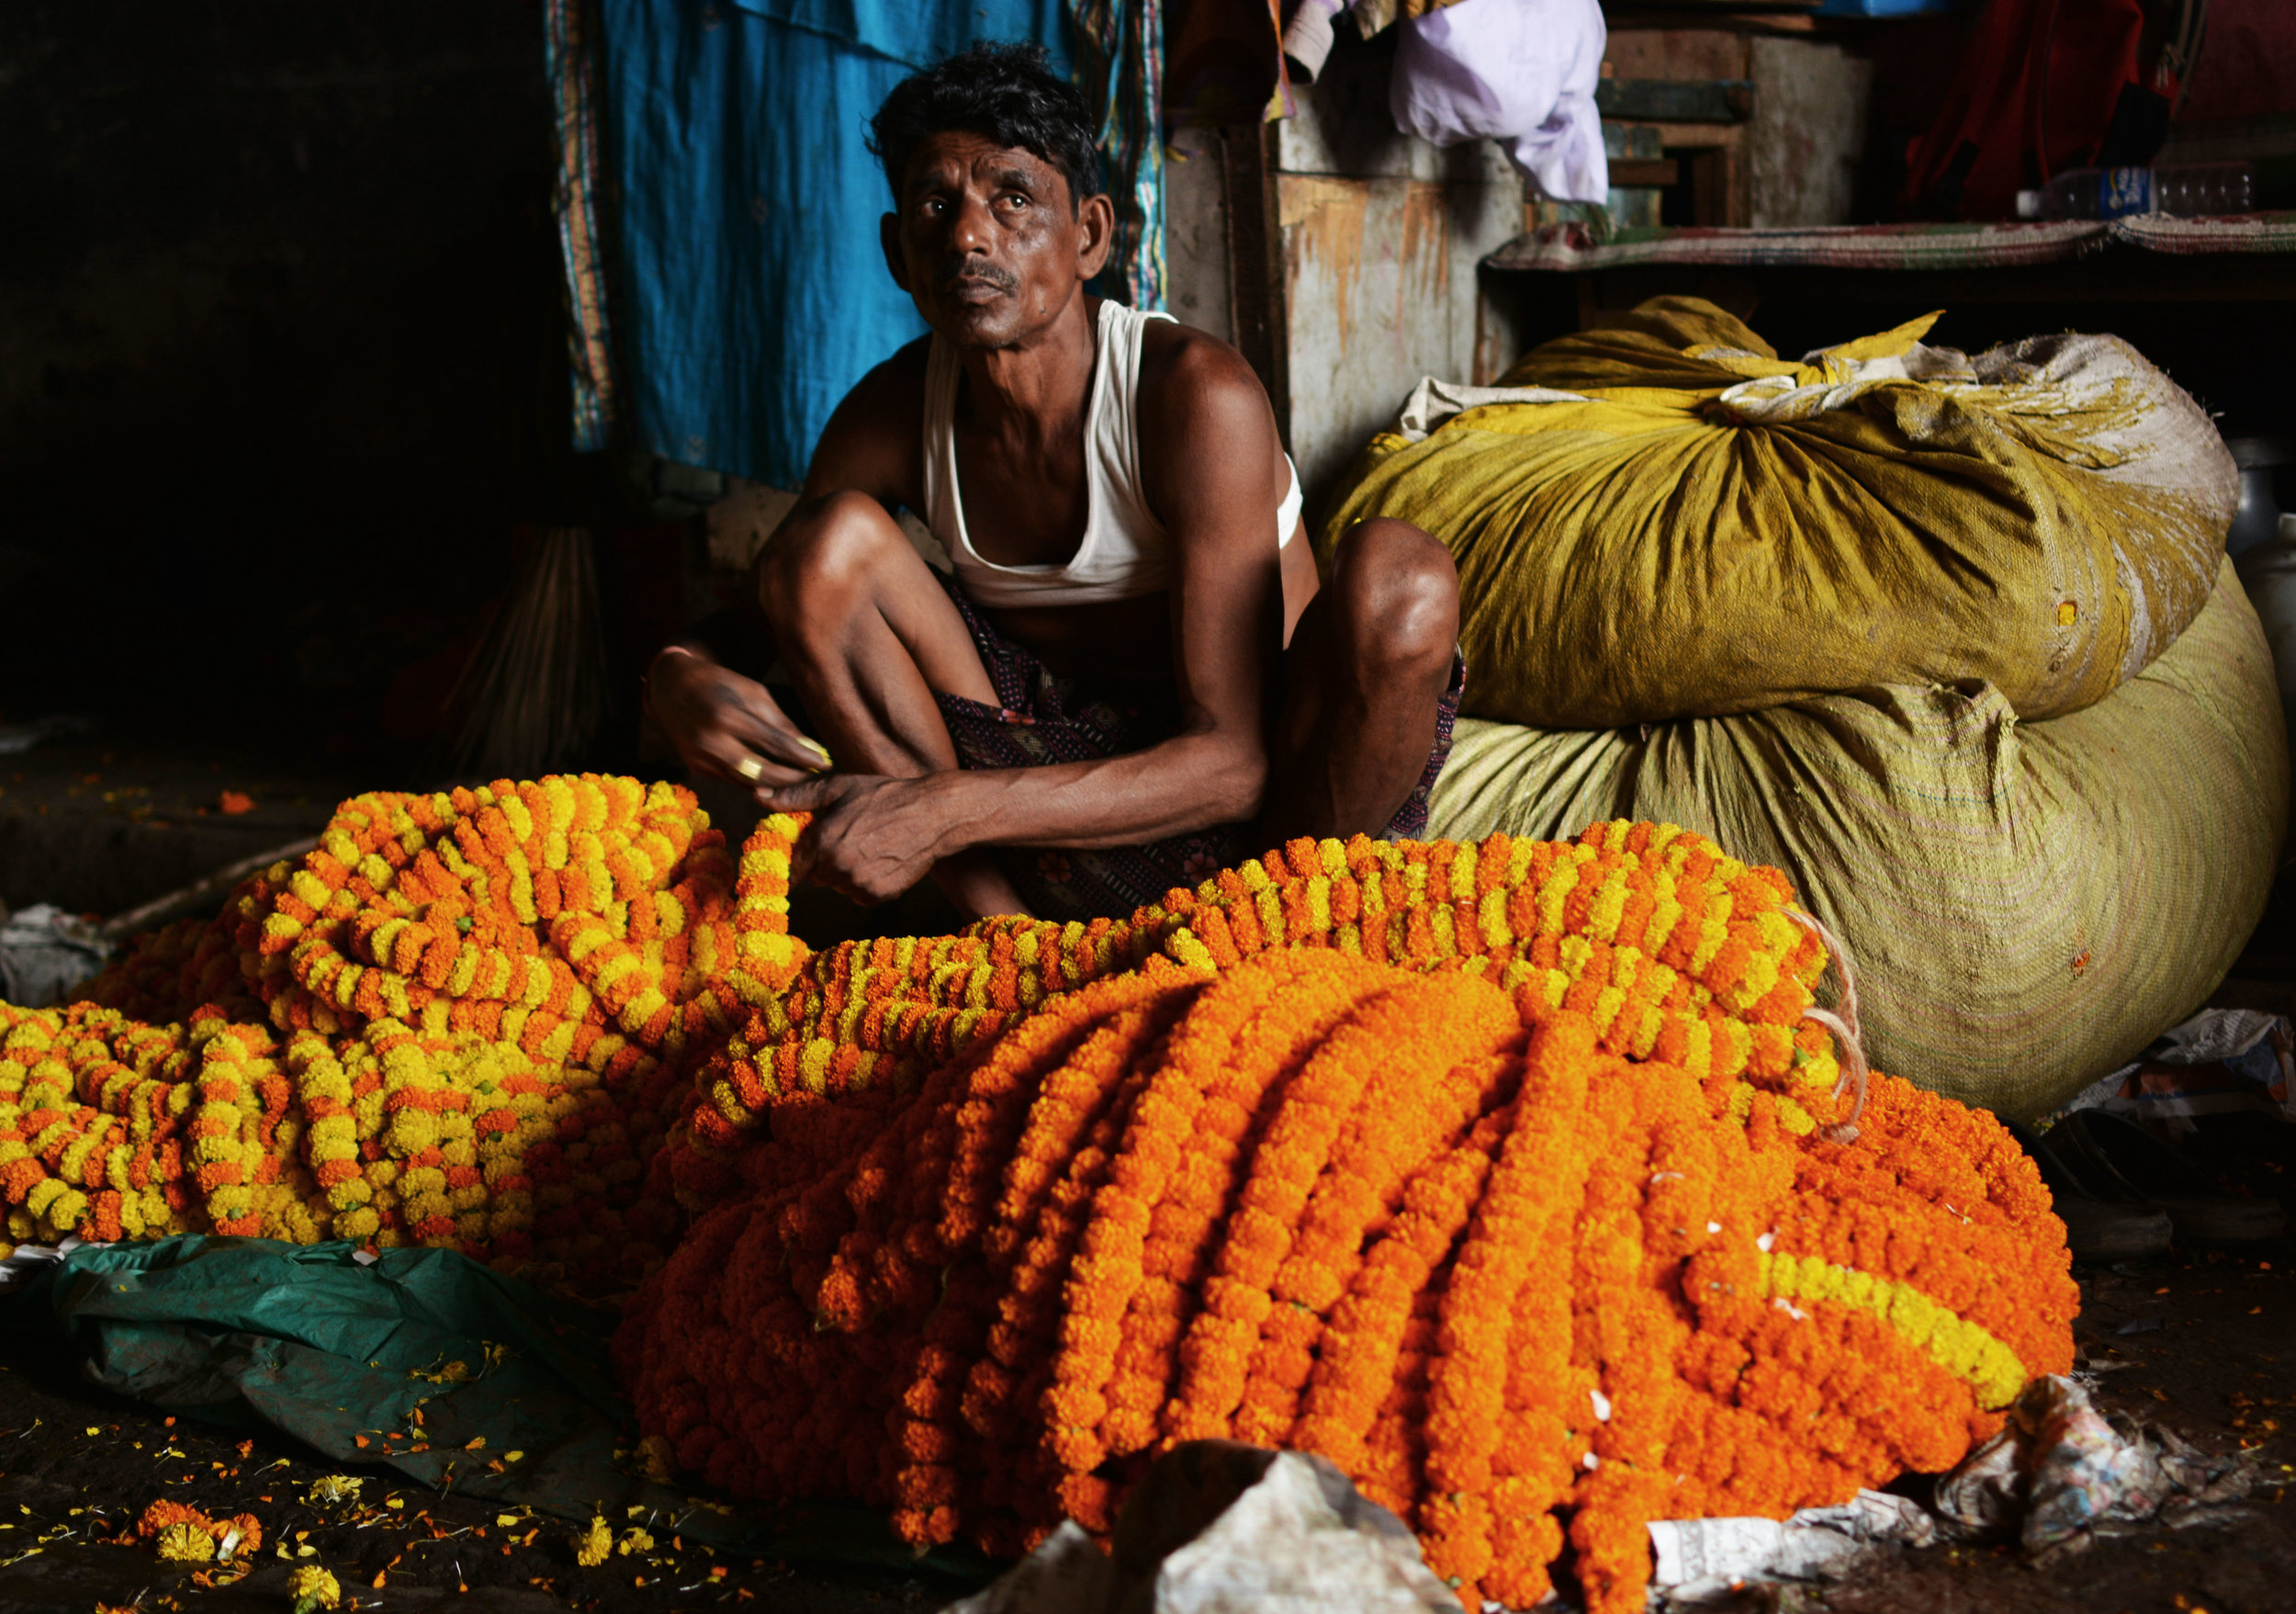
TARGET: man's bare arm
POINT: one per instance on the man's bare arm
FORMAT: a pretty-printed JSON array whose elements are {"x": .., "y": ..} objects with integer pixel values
[
  {"x": 1207, "y": 442},
  {"x": 724, "y": 723},
  {"x": 874, "y": 441}
]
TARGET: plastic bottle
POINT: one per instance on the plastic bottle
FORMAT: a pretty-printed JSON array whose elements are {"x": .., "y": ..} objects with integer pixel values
[{"x": 2188, "y": 189}]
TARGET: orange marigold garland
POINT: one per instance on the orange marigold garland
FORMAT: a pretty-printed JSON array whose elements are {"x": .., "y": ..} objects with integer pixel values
[
  {"x": 1533, "y": 1284},
  {"x": 1576, "y": 1234}
]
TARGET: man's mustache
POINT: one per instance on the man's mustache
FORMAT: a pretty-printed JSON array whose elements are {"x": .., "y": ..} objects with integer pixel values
[{"x": 970, "y": 274}]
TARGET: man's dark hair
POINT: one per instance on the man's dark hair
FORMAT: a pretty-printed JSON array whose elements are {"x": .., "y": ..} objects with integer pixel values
[{"x": 1008, "y": 94}]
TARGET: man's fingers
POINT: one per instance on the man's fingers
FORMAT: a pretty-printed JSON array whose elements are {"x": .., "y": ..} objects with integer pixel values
[
  {"x": 804, "y": 794},
  {"x": 789, "y": 749},
  {"x": 805, "y": 864},
  {"x": 760, "y": 725},
  {"x": 748, "y": 715},
  {"x": 729, "y": 759},
  {"x": 762, "y": 775}
]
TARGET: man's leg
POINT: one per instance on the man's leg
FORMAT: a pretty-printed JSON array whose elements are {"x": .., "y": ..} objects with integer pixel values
[
  {"x": 1365, "y": 670},
  {"x": 869, "y": 634}
]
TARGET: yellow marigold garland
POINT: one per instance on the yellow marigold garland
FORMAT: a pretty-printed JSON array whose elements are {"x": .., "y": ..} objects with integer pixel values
[{"x": 464, "y": 1018}]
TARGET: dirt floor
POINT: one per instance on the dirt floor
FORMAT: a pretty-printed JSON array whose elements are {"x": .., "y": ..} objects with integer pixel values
[
  {"x": 99, "y": 822},
  {"x": 77, "y": 1466}
]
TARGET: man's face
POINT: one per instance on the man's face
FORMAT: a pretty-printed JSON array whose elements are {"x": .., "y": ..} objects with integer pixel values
[{"x": 985, "y": 240}]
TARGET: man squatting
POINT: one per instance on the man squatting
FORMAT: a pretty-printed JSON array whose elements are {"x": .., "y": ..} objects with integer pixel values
[{"x": 1135, "y": 676}]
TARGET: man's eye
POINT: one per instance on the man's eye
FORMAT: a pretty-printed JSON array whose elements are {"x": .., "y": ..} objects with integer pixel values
[{"x": 1016, "y": 201}]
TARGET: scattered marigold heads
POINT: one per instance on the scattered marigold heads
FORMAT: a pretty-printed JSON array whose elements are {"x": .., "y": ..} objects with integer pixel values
[
  {"x": 313, "y": 1589},
  {"x": 182, "y": 1534}
]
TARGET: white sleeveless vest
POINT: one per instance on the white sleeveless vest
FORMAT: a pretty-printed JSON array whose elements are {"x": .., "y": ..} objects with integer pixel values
[{"x": 1125, "y": 550}]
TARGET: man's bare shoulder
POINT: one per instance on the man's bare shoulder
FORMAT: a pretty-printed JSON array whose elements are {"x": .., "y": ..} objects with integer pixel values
[
  {"x": 1208, "y": 434},
  {"x": 1182, "y": 368},
  {"x": 874, "y": 441},
  {"x": 894, "y": 390}
]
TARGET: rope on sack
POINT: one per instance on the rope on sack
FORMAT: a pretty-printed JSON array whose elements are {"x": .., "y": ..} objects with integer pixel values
[{"x": 1841, "y": 1020}]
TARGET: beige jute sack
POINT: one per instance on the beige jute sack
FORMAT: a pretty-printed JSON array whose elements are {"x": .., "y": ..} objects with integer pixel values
[{"x": 2026, "y": 903}]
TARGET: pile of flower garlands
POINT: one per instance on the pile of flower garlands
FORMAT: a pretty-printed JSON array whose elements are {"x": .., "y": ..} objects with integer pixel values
[
  {"x": 1508, "y": 1176},
  {"x": 1516, "y": 1177},
  {"x": 464, "y": 1019}
]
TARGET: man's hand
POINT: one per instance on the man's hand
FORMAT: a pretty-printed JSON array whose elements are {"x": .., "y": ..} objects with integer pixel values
[
  {"x": 726, "y": 725},
  {"x": 870, "y": 838}
]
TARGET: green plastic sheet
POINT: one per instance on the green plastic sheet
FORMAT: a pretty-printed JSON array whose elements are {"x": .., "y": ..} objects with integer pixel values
[{"x": 422, "y": 1359}]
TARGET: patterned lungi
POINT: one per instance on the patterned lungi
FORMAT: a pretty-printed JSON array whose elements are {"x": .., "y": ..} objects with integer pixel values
[{"x": 1046, "y": 719}]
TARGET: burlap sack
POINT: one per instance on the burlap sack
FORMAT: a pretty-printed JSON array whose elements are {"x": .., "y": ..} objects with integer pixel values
[
  {"x": 1667, "y": 520},
  {"x": 2027, "y": 904}
]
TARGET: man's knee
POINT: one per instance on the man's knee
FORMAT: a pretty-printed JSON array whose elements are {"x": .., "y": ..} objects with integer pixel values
[
  {"x": 1396, "y": 596},
  {"x": 825, "y": 558}
]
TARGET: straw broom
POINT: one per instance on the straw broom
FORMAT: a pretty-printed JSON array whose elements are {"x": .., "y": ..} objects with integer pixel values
[{"x": 534, "y": 697}]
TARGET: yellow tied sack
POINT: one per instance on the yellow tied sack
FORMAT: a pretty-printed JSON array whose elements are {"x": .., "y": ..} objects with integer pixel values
[{"x": 1665, "y": 520}]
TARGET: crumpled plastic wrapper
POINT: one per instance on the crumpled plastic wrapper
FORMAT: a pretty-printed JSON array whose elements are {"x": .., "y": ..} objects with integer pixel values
[
  {"x": 2061, "y": 1470},
  {"x": 1702, "y": 1560},
  {"x": 1217, "y": 1527},
  {"x": 2222, "y": 1061},
  {"x": 2059, "y": 1473},
  {"x": 1221, "y": 1527},
  {"x": 44, "y": 953}
]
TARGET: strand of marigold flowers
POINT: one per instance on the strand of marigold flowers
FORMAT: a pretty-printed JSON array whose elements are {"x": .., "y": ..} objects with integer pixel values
[
  {"x": 870, "y": 1274},
  {"x": 1395, "y": 1454},
  {"x": 1089, "y": 1499},
  {"x": 998, "y": 1106},
  {"x": 1517, "y": 1251},
  {"x": 924, "y": 1211},
  {"x": 1356, "y": 1367},
  {"x": 1245, "y": 1036},
  {"x": 1457, "y": 1038},
  {"x": 1108, "y": 1271},
  {"x": 1403, "y": 1119},
  {"x": 236, "y": 1088},
  {"x": 1076, "y": 1120},
  {"x": 1094, "y": 1008},
  {"x": 1055, "y": 1166},
  {"x": 1216, "y": 1354},
  {"x": 1110, "y": 1024},
  {"x": 1628, "y": 1333}
]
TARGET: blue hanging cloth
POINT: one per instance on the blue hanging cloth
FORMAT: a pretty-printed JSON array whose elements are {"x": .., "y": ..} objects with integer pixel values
[{"x": 751, "y": 291}]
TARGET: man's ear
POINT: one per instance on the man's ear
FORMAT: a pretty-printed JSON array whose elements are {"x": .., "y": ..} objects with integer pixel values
[
  {"x": 889, "y": 237},
  {"x": 1096, "y": 234}
]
